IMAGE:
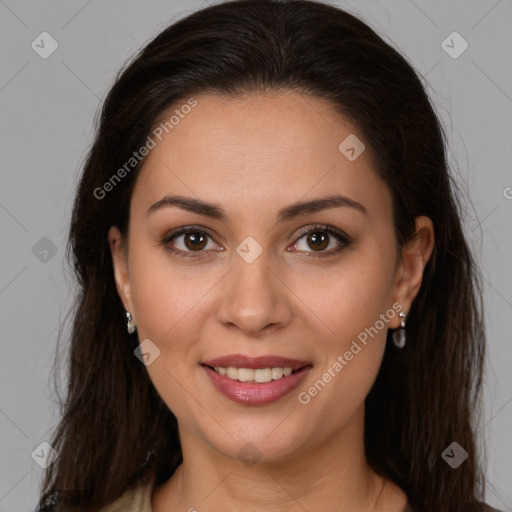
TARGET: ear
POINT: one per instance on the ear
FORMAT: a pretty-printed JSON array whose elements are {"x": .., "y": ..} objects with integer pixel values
[
  {"x": 411, "y": 264},
  {"x": 120, "y": 264}
]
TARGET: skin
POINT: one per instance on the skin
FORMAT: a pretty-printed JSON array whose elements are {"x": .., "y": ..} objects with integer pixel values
[{"x": 253, "y": 155}]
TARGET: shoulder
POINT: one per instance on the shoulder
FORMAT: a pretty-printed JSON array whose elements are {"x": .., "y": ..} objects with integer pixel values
[{"x": 136, "y": 499}]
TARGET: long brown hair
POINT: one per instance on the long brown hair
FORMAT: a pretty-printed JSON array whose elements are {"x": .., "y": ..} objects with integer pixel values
[{"x": 115, "y": 429}]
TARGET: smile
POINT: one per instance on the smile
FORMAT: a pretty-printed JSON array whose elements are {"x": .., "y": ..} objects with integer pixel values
[{"x": 255, "y": 380}]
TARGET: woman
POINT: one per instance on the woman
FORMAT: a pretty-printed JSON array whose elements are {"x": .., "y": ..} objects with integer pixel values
[{"x": 278, "y": 309}]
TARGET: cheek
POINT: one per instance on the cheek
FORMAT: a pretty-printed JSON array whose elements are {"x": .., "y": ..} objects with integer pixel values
[
  {"x": 164, "y": 293},
  {"x": 350, "y": 351},
  {"x": 167, "y": 299},
  {"x": 352, "y": 312},
  {"x": 350, "y": 297}
]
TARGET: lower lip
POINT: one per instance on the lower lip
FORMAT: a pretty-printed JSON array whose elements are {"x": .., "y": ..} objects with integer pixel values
[{"x": 254, "y": 393}]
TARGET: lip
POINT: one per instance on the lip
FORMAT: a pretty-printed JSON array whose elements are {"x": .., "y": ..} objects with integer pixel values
[{"x": 254, "y": 393}]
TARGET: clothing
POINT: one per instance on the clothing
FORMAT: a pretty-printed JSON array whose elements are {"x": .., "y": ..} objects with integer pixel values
[
  {"x": 133, "y": 500},
  {"x": 139, "y": 500}
]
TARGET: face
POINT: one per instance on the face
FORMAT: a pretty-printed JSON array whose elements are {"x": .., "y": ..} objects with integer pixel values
[{"x": 254, "y": 278}]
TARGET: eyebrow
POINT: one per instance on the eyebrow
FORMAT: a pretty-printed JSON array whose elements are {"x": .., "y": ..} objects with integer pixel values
[{"x": 289, "y": 212}]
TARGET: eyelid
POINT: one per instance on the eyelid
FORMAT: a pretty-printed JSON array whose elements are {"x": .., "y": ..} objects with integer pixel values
[
  {"x": 344, "y": 239},
  {"x": 168, "y": 237},
  {"x": 321, "y": 227}
]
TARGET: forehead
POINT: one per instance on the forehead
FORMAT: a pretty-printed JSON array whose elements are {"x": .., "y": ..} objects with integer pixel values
[{"x": 265, "y": 149}]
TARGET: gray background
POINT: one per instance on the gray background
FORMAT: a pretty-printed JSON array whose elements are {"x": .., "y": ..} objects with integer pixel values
[{"x": 48, "y": 108}]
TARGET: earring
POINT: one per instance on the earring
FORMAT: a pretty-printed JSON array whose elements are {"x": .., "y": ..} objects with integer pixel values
[
  {"x": 399, "y": 334},
  {"x": 131, "y": 327}
]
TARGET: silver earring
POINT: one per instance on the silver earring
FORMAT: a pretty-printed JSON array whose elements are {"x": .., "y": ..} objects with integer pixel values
[
  {"x": 131, "y": 327},
  {"x": 399, "y": 334}
]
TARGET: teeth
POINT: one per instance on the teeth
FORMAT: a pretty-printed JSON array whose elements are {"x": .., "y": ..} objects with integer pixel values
[
  {"x": 250, "y": 375},
  {"x": 263, "y": 375},
  {"x": 232, "y": 373},
  {"x": 245, "y": 374},
  {"x": 277, "y": 373}
]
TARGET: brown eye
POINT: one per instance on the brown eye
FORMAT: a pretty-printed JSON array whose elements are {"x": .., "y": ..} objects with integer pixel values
[
  {"x": 195, "y": 240},
  {"x": 188, "y": 242},
  {"x": 318, "y": 240}
]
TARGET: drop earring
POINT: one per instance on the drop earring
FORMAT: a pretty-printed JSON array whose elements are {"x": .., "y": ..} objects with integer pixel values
[
  {"x": 131, "y": 327},
  {"x": 399, "y": 334}
]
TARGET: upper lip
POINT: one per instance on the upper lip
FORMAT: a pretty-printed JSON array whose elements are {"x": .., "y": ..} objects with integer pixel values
[{"x": 269, "y": 361}]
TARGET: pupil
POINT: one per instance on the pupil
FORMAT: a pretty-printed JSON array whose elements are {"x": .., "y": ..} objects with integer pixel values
[
  {"x": 319, "y": 241},
  {"x": 195, "y": 239}
]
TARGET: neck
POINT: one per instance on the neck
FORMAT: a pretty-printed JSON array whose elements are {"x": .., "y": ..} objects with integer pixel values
[{"x": 332, "y": 475}]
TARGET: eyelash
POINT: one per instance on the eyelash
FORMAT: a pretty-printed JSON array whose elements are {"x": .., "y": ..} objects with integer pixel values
[{"x": 339, "y": 235}]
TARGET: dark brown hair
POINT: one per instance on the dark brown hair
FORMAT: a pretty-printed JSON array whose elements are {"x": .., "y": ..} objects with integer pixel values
[{"x": 115, "y": 429}]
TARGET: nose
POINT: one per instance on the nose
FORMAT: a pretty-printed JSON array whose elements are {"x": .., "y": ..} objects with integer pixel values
[{"x": 255, "y": 299}]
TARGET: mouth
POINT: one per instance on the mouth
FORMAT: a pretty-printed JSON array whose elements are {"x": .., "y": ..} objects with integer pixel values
[{"x": 255, "y": 380}]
